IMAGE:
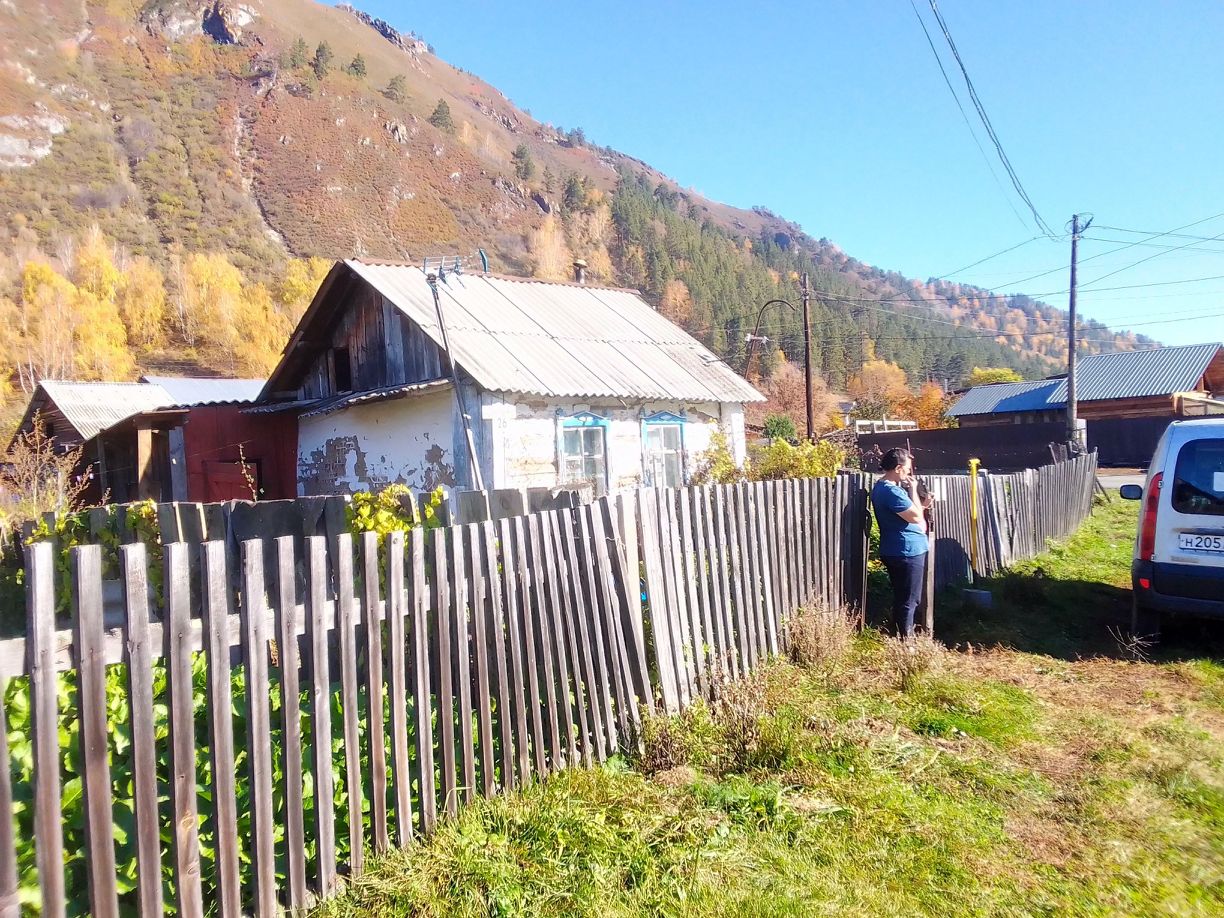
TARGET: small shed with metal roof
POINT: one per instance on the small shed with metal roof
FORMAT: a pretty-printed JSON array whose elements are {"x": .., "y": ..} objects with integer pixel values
[
  {"x": 167, "y": 438},
  {"x": 558, "y": 383},
  {"x": 1166, "y": 382}
]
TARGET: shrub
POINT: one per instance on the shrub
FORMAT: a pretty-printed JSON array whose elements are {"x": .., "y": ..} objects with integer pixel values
[
  {"x": 911, "y": 659},
  {"x": 779, "y": 427},
  {"x": 820, "y": 638},
  {"x": 778, "y": 460},
  {"x": 441, "y": 117}
]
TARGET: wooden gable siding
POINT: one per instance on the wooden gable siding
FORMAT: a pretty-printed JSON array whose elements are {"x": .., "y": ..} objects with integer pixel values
[{"x": 385, "y": 348}]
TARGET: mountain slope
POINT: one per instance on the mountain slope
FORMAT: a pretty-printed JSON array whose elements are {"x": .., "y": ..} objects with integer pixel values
[{"x": 182, "y": 126}]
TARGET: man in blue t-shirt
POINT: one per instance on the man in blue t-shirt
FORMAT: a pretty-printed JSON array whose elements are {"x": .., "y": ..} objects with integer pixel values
[{"x": 903, "y": 534}]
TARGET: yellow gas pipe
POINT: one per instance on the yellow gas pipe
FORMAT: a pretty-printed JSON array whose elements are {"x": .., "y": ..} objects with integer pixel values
[{"x": 973, "y": 515}]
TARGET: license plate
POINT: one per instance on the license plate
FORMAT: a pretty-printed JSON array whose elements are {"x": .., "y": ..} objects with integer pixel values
[{"x": 1189, "y": 541}]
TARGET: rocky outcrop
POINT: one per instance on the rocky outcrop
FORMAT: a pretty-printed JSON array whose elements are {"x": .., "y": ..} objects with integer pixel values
[
  {"x": 405, "y": 41},
  {"x": 25, "y": 139},
  {"x": 224, "y": 22},
  {"x": 221, "y": 20}
]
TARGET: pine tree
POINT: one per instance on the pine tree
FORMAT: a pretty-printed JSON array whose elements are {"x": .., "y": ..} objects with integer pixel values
[
  {"x": 574, "y": 196},
  {"x": 297, "y": 54},
  {"x": 397, "y": 89},
  {"x": 524, "y": 166},
  {"x": 356, "y": 67},
  {"x": 441, "y": 117},
  {"x": 322, "y": 60}
]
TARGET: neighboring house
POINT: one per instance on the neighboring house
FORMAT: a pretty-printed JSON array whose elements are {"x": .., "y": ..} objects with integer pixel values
[
  {"x": 167, "y": 438},
  {"x": 563, "y": 383},
  {"x": 1166, "y": 382}
]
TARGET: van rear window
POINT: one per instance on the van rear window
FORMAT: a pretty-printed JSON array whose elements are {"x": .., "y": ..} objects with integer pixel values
[{"x": 1198, "y": 483}]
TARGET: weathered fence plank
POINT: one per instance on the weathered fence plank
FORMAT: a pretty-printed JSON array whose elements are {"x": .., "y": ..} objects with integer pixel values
[
  {"x": 505, "y": 702},
  {"x": 291, "y": 719},
  {"x": 10, "y": 904},
  {"x": 255, "y": 638},
  {"x": 221, "y": 725},
  {"x": 48, "y": 828},
  {"x": 376, "y": 736},
  {"x": 462, "y": 657},
  {"x": 185, "y": 839},
  {"x": 91, "y": 699},
  {"x": 320, "y": 714},
  {"x": 421, "y": 702},
  {"x": 397, "y": 689},
  {"x": 443, "y": 613},
  {"x": 346, "y": 624}
]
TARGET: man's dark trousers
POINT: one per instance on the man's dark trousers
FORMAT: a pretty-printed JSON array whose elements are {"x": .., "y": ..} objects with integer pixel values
[{"x": 905, "y": 574}]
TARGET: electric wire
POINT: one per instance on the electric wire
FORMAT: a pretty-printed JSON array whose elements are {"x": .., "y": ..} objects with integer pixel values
[
  {"x": 965, "y": 117},
  {"x": 990, "y": 131}
]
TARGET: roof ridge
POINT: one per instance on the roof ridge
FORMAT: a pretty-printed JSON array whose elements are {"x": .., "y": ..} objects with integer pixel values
[{"x": 495, "y": 275}]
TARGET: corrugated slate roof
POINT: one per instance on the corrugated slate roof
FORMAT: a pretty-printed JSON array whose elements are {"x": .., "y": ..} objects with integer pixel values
[
  {"x": 559, "y": 340},
  {"x": 92, "y": 407},
  {"x": 998, "y": 397},
  {"x": 1125, "y": 374},
  {"x": 189, "y": 391},
  {"x": 1135, "y": 374}
]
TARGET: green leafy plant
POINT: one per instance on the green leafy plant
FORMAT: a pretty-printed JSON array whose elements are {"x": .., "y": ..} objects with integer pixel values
[{"x": 393, "y": 509}]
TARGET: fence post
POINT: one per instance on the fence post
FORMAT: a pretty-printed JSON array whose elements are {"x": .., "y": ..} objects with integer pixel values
[{"x": 40, "y": 631}]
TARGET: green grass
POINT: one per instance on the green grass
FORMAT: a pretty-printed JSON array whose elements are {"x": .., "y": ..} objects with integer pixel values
[{"x": 1039, "y": 774}]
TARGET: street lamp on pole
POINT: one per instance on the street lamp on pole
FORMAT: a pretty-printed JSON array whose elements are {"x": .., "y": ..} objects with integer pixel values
[
  {"x": 753, "y": 338},
  {"x": 807, "y": 346}
]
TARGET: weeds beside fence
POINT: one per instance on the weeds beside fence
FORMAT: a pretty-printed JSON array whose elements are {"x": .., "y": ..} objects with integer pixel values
[{"x": 244, "y": 738}]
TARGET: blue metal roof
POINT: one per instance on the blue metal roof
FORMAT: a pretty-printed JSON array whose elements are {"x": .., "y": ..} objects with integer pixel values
[
  {"x": 1125, "y": 374},
  {"x": 1010, "y": 396},
  {"x": 187, "y": 391}
]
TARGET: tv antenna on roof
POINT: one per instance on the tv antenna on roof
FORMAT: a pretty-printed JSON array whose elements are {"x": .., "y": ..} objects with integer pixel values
[{"x": 444, "y": 265}]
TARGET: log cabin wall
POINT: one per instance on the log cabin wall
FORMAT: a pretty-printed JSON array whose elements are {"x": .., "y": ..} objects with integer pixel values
[{"x": 372, "y": 345}]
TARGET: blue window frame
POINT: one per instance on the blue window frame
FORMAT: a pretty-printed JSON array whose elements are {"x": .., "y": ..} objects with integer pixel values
[{"x": 582, "y": 449}]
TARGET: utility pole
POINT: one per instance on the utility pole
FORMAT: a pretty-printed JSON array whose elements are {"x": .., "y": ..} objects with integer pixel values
[
  {"x": 807, "y": 354},
  {"x": 1072, "y": 404}
]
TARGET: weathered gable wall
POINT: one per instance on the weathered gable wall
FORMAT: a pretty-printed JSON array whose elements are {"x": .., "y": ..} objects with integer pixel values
[
  {"x": 366, "y": 447},
  {"x": 383, "y": 347}
]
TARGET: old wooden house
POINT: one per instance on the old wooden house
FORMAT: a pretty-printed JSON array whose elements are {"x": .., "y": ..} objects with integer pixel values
[
  {"x": 168, "y": 438},
  {"x": 558, "y": 383}
]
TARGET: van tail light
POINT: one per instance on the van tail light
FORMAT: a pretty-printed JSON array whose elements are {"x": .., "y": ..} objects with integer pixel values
[{"x": 1147, "y": 533}]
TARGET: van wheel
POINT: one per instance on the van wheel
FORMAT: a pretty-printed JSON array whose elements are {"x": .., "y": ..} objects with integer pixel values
[{"x": 1145, "y": 623}]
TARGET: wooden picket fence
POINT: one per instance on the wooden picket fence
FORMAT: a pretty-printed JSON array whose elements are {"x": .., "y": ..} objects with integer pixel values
[
  {"x": 266, "y": 729},
  {"x": 1017, "y": 514}
]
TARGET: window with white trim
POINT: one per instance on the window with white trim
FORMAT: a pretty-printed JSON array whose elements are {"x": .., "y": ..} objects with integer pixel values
[
  {"x": 664, "y": 455},
  {"x": 583, "y": 454}
]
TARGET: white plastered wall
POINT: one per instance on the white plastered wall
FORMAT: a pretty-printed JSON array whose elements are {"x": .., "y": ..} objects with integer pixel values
[{"x": 366, "y": 447}]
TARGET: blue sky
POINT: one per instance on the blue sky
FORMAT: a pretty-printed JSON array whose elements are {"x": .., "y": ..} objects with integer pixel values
[{"x": 834, "y": 114}]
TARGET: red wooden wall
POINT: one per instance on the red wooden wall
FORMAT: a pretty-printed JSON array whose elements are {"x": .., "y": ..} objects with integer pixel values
[{"x": 211, "y": 438}]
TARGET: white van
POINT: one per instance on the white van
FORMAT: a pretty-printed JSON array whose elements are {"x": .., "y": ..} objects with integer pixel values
[{"x": 1178, "y": 563}]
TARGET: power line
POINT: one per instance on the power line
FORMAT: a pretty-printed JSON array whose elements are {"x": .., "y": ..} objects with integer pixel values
[
  {"x": 965, "y": 117},
  {"x": 990, "y": 131},
  {"x": 1121, "y": 248},
  {"x": 1120, "y": 229},
  {"x": 989, "y": 257},
  {"x": 1135, "y": 264},
  {"x": 1191, "y": 247}
]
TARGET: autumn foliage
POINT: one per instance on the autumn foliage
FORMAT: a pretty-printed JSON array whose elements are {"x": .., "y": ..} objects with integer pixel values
[{"x": 93, "y": 312}]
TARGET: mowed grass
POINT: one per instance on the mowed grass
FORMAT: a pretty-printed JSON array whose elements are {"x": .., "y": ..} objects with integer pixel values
[{"x": 1032, "y": 771}]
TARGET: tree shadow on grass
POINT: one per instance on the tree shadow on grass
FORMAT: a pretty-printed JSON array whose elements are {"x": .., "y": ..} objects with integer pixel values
[{"x": 1064, "y": 618}]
